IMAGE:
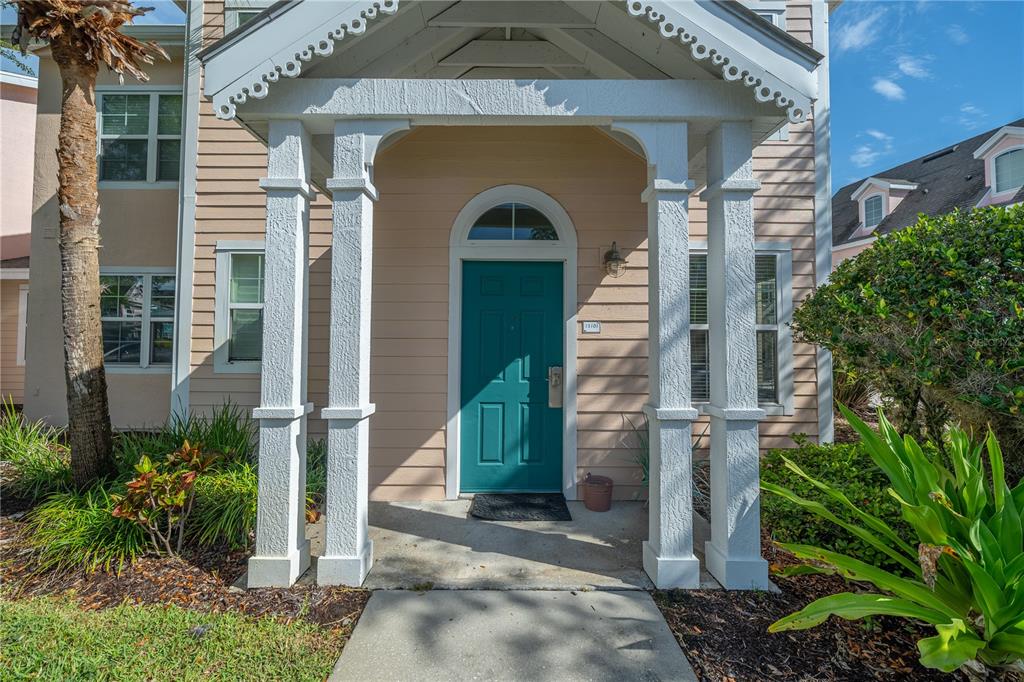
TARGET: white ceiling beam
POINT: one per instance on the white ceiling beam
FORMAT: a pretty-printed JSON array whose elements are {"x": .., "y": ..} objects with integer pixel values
[
  {"x": 514, "y": 53},
  {"x": 502, "y": 72},
  {"x": 411, "y": 50},
  {"x": 602, "y": 51},
  {"x": 523, "y": 13}
]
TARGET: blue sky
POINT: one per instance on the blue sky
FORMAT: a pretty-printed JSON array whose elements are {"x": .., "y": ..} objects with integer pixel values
[{"x": 908, "y": 77}]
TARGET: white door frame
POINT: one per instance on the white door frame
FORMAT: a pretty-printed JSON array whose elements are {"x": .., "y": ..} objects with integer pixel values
[{"x": 460, "y": 249}]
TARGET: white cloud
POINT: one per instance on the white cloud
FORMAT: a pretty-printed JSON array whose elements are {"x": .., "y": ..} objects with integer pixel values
[
  {"x": 863, "y": 156},
  {"x": 861, "y": 33},
  {"x": 971, "y": 116},
  {"x": 888, "y": 89},
  {"x": 912, "y": 66},
  {"x": 867, "y": 153},
  {"x": 957, "y": 34}
]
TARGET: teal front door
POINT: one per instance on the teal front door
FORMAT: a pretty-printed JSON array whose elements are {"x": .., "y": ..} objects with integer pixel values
[{"x": 512, "y": 332}]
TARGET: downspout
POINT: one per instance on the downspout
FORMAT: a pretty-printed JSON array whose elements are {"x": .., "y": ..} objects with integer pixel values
[
  {"x": 823, "y": 207},
  {"x": 181, "y": 368}
]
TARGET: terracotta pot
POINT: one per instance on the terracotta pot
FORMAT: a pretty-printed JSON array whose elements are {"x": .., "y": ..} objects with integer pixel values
[{"x": 597, "y": 493}]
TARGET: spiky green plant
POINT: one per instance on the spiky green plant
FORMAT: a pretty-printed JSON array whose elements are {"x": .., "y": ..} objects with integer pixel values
[
  {"x": 78, "y": 530},
  {"x": 36, "y": 453},
  {"x": 965, "y": 575},
  {"x": 225, "y": 506}
]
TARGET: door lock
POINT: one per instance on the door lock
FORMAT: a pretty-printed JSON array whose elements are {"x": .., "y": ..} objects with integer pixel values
[{"x": 554, "y": 386}]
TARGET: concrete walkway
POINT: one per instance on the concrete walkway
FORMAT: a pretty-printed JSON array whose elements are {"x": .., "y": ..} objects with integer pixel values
[
  {"x": 511, "y": 635},
  {"x": 417, "y": 544}
]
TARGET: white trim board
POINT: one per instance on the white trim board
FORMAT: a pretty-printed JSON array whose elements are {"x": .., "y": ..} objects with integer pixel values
[
  {"x": 460, "y": 249},
  {"x": 19, "y": 358}
]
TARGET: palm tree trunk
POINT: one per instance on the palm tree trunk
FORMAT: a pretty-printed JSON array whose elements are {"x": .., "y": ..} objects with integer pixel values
[{"x": 89, "y": 432}]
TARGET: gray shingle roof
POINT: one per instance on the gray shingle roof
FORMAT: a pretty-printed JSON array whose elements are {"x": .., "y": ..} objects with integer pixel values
[{"x": 946, "y": 179}]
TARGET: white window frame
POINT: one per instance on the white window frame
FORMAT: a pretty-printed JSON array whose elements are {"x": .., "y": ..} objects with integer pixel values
[
  {"x": 783, "y": 252},
  {"x": 881, "y": 198},
  {"x": 152, "y": 158},
  {"x": 147, "y": 274},
  {"x": 995, "y": 171},
  {"x": 19, "y": 359},
  {"x": 225, "y": 249},
  {"x": 233, "y": 7}
]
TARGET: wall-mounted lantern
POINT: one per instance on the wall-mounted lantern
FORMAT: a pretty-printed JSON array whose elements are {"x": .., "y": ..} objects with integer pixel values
[{"x": 614, "y": 263}]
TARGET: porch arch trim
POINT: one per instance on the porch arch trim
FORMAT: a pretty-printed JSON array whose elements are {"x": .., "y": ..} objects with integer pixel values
[{"x": 563, "y": 250}]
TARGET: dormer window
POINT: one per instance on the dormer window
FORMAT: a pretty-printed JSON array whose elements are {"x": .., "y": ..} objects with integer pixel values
[
  {"x": 873, "y": 211},
  {"x": 1009, "y": 170}
]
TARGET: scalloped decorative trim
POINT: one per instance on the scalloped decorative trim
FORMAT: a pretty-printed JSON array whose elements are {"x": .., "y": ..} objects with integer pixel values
[
  {"x": 224, "y": 104},
  {"x": 729, "y": 64},
  {"x": 733, "y": 67}
]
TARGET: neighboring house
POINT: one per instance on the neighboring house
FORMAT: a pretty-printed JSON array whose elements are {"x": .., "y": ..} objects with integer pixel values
[
  {"x": 548, "y": 219},
  {"x": 17, "y": 129},
  {"x": 985, "y": 170}
]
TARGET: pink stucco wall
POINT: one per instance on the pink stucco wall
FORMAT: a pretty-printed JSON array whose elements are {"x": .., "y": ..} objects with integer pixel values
[
  {"x": 17, "y": 137},
  {"x": 1008, "y": 142}
]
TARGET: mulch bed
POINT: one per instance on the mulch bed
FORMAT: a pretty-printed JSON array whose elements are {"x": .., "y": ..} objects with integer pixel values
[
  {"x": 725, "y": 635},
  {"x": 201, "y": 580}
]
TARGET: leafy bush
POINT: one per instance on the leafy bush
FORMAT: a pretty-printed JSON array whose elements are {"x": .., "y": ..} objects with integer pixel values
[
  {"x": 845, "y": 467},
  {"x": 73, "y": 529},
  {"x": 161, "y": 496},
  {"x": 932, "y": 316},
  {"x": 966, "y": 574},
  {"x": 36, "y": 452}
]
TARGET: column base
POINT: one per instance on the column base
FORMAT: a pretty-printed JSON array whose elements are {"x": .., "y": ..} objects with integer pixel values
[
  {"x": 748, "y": 573},
  {"x": 345, "y": 570},
  {"x": 278, "y": 571},
  {"x": 671, "y": 572}
]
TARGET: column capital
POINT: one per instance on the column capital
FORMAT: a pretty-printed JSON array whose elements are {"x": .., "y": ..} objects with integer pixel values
[
  {"x": 671, "y": 414},
  {"x": 297, "y": 185},
  {"x": 740, "y": 187},
  {"x": 660, "y": 186},
  {"x": 738, "y": 414},
  {"x": 358, "y": 184},
  {"x": 354, "y": 414},
  {"x": 289, "y": 412}
]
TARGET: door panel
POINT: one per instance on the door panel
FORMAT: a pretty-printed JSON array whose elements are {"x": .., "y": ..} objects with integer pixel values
[{"x": 512, "y": 331}]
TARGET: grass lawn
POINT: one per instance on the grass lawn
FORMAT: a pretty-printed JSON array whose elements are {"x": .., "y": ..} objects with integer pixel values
[{"x": 52, "y": 638}]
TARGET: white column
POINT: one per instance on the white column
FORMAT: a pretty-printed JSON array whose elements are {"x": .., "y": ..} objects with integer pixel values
[
  {"x": 348, "y": 551},
  {"x": 734, "y": 551},
  {"x": 282, "y": 550},
  {"x": 668, "y": 553}
]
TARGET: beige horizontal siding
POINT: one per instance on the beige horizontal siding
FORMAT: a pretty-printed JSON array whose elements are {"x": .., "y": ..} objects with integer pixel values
[
  {"x": 12, "y": 374},
  {"x": 424, "y": 180}
]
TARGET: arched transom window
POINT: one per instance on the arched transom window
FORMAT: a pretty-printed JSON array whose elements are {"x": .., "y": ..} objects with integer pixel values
[{"x": 513, "y": 221}]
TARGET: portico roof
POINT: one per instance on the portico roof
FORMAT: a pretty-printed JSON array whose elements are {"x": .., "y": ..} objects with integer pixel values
[{"x": 701, "y": 40}]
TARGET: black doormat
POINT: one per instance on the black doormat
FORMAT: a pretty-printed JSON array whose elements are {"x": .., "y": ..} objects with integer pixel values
[{"x": 520, "y": 507}]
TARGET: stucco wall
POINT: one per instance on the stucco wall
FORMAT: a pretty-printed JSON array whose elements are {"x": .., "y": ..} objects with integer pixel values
[
  {"x": 1008, "y": 142},
  {"x": 138, "y": 229},
  {"x": 18, "y": 117}
]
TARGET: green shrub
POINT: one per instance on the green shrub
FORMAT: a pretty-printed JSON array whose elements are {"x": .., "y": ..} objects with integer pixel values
[
  {"x": 847, "y": 468},
  {"x": 225, "y": 506},
  {"x": 36, "y": 453},
  {"x": 932, "y": 316},
  {"x": 228, "y": 431},
  {"x": 79, "y": 530},
  {"x": 964, "y": 576},
  {"x": 316, "y": 473}
]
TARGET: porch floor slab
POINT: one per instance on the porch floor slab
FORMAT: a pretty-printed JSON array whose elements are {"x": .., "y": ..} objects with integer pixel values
[
  {"x": 419, "y": 545},
  {"x": 512, "y": 635}
]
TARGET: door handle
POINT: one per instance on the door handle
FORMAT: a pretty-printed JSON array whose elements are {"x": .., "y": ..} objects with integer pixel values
[{"x": 554, "y": 386}]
